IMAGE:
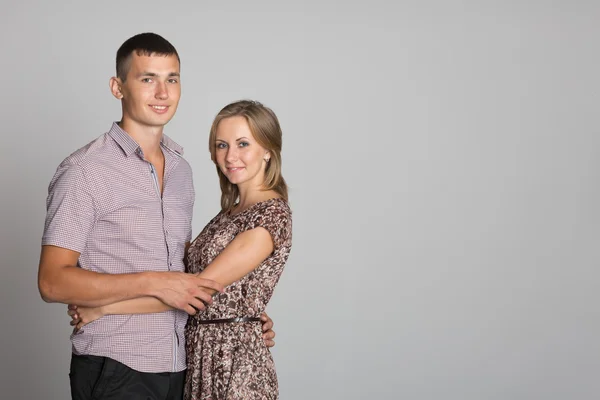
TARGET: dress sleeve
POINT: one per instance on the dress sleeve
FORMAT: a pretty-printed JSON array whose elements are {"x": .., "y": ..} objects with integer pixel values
[
  {"x": 276, "y": 218},
  {"x": 70, "y": 211}
]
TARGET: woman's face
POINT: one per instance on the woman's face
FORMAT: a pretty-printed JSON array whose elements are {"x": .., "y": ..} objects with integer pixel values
[{"x": 238, "y": 154}]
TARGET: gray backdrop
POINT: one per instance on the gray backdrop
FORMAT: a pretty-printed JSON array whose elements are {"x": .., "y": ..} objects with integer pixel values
[{"x": 443, "y": 164}]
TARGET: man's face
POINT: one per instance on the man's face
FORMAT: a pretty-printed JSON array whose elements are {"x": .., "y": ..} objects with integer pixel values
[{"x": 151, "y": 91}]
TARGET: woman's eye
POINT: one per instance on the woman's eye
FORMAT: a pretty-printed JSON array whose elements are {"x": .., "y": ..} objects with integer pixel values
[
  {"x": 244, "y": 144},
  {"x": 221, "y": 145}
]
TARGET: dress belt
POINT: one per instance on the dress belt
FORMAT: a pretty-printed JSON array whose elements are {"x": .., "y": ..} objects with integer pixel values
[{"x": 228, "y": 320}]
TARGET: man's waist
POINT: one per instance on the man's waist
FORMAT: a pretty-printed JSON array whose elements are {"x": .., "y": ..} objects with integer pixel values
[
  {"x": 143, "y": 354},
  {"x": 153, "y": 324},
  {"x": 129, "y": 267}
]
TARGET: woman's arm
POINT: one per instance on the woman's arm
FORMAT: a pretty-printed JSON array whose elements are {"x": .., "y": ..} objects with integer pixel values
[
  {"x": 141, "y": 305},
  {"x": 82, "y": 316},
  {"x": 241, "y": 256}
]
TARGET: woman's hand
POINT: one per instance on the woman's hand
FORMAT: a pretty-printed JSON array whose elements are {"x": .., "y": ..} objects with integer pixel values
[{"x": 81, "y": 316}]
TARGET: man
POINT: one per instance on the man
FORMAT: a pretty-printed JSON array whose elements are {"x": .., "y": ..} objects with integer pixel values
[{"x": 118, "y": 224}]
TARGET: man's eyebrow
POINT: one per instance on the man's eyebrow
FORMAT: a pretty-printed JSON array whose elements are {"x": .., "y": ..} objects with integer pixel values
[{"x": 147, "y": 73}]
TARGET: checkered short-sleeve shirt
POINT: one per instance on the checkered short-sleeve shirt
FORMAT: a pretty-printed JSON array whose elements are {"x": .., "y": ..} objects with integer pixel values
[{"x": 104, "y": 202}]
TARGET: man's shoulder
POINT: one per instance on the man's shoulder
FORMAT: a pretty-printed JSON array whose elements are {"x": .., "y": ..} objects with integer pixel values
[
  {"x": 183, "y": 163},
  {"x": 84, "y": 161},
  {"x": 89, "y": 153}
]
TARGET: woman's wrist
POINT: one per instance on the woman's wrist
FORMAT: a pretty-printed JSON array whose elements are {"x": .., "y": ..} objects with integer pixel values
[{"x": 105, "y": 310}]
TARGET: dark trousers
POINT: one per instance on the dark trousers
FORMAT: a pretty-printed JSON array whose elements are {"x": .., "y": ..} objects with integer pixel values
[{"x": 102, "y": 378}]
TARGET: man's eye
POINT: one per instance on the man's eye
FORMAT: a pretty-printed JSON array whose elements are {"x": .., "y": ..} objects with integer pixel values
[
  {"x": 173, "y": 81},
  {"x": 146, "y": 80}
]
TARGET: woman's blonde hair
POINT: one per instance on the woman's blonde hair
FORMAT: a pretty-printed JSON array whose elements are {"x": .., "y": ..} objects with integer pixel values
[{"x": 265, "y": 128}]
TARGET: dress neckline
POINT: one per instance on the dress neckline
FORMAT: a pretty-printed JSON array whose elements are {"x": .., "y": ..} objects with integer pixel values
[{"x": 228, "y": 213}]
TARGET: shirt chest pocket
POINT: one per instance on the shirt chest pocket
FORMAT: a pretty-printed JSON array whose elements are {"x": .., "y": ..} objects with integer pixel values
[{"x": 177, "y": 214}]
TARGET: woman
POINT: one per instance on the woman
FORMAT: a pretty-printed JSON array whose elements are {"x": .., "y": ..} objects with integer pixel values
[{"x": 245, "y": 248}]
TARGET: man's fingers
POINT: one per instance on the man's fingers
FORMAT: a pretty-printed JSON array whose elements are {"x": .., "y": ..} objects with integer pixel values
[
  {"x": 269, "y": 335},
  {"x": 190, "y": 310},
  {"x": 194, "y": 305},
  {"x": 267, "y": 322},
  {"x": 203, "y": 296},
  {"x": 267, "y": 326},
  {"x": 270, "y": 343},
  {"x": 72, "y": 307},
  {"x": 207, "y": 283},
  {"x": 198, "y": 304}
]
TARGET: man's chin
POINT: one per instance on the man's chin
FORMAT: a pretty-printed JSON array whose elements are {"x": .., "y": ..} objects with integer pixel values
[{"x": 159, "y": 122}]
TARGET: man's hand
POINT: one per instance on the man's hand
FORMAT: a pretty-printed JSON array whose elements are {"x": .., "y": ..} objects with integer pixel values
[
  {"x": 267, "y": 328},
  {"x": 183, "y": 291}
]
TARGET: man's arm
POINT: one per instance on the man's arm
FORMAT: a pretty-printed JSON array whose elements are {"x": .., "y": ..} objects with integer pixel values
[
  {"x": 69, "y": 284},
  {"x": 61, "y": 280},
  {"x": 240, "y": 257}
]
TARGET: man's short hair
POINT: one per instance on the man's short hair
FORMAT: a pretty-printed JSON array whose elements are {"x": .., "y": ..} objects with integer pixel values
[{"x": 144, "y": 44}]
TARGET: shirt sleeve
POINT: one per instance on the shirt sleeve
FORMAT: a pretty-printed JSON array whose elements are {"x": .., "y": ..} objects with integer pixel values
[{"x": 70, "y": 211}]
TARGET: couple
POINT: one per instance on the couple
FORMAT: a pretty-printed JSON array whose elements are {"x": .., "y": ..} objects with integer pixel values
[{"x": 116, "y": 247}]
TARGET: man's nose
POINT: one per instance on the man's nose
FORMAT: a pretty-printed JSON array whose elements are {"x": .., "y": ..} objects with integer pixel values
[{"x": 161, "y": 91}]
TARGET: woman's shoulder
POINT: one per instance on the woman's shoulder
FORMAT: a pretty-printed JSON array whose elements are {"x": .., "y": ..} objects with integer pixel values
[
  {"x": 275, "y": 215},
  {"x": 273, "y": 207}
]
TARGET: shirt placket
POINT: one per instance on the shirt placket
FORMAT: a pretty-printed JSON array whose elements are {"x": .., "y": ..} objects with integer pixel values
[{"x": 170, "y": 163}]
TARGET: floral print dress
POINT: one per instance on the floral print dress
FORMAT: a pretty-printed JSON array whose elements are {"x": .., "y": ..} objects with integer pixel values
[{"x": 230, "y": 360}]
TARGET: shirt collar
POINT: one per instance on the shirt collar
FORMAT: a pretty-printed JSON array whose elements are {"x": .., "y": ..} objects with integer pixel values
[{"x": 130, "y": 146}]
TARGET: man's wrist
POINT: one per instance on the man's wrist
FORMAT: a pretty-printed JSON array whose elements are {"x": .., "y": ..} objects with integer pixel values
[{"x": 149, "y": 284}]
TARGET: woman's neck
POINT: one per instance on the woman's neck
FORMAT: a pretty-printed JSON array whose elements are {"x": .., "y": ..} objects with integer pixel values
[{"x": 251, "y": 196}]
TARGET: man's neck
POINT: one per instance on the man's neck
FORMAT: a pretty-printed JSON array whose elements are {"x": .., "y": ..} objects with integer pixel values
[{"x": 147, "y": 137}]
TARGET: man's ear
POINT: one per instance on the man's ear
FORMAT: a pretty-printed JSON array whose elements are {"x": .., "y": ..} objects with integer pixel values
[{"x": 115, "y": 87}]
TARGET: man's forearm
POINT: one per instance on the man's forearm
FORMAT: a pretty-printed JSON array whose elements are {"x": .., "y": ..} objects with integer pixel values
[
  {"x": 73, "y": 285},
  {"x": 61, "y": 281}
]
